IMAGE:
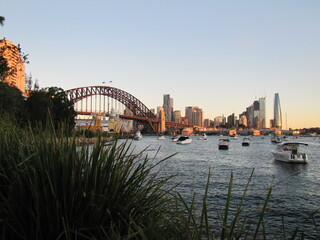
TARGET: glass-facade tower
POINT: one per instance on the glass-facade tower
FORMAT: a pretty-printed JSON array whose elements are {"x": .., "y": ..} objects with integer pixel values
[
  {"x": 277, "y": 116},
  {"x": 168, "y": 107}
]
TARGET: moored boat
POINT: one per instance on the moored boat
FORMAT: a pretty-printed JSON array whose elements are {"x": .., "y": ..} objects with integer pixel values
[
  {"x": 184, "y": 140},
  {"x": 175, "y": 138},
  {"x": 291, "y": 152},
  {"x": 223, "y": 144},
  {"x": 202, "y": 137},
  {"x": 276, "y": 139},
  {"x": 246, "y": 141},
  {"x": 137, "y": 135},
  {"x": 161, "y": 137}
]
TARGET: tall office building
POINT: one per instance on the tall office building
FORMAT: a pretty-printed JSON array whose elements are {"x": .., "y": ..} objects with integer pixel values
[
  {"x": 177, "y": 116},
  {"x": 262, "y": 112},
  {"x": 277, "y": 115},
  {"x": 15, "y": 62},
  {"x": 168, "y": 107},
  {"x": 194, "y": 115},
  {"x": 256, "y": 114}
]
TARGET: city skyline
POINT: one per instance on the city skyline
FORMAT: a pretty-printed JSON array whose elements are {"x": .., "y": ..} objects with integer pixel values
[{"x": 215, "y": 55}]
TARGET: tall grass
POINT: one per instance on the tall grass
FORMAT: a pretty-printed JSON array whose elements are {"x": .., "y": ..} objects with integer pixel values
[{"x": 50, "y": 188}]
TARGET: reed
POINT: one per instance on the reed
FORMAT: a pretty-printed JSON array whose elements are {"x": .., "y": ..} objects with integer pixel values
[{"x": 52, "y": 189}]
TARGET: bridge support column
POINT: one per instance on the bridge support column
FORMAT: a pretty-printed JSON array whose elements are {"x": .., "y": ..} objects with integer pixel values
[{"x": 162, "y": 121}]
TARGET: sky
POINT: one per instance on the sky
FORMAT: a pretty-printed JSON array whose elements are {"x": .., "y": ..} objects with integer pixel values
[{"x": 217, "y": 55}]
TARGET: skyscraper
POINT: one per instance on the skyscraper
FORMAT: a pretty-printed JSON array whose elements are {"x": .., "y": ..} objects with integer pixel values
[
  {"x": 168, "y": 107},
  {"x": 277, "y": 115},
  {"x": 262, "y": 112},
  {"x": 194, "y": 115}
]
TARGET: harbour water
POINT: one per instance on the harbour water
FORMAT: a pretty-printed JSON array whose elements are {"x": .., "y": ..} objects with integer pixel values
[{"x": 295, "y": 188}]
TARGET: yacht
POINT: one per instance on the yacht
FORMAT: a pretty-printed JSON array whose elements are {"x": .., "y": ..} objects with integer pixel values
[
  {"x": 175, "y": 138},
  {"x": 246, "y": 141},
  {"x": 291, "y": 152},
  {"x": 202, "y": 137},
  {"x": 223, "y": 144},
  {"x": 276, "y": 139},
  {"x": 234, "y": 137},
  {"x": 137, "y": 135},
  {"x": 184, "y": 140},
  {"x": 161, "y": 137}
]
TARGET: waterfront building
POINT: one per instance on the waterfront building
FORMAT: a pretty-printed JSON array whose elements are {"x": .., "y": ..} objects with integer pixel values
[
  {"x": 219, "y": 121},
  {"x": 194, "y": 115},
  {"x": 15, "y": 61},
  {"x": 177, "y": 116},
  {"x": 262, "y": 112},
  {"x": 206, "y": 122},
  {"x": 277, "y": 115},
  {"x": 243, "y": 120},
  {"x": 168, "y": 107},
  {"x": 256, "y": 114},
  {"x": 198, "y": 117},
  {"x": 184, "y": 120},
  {"x": 232, "y": 119},
  {"x": 249, "y": 114}
]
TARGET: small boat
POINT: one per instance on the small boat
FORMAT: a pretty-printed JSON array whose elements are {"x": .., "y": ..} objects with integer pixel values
[
  {"x": 161, "y": 137},
  {"x": 202, "y": 137},
  {"x": 223, "y": 144},
  {"x": 234, "y": 137},
  {"x": 184, "y": 140},
  {"x": 175, "y": 138},
  {"x": 291, "y": 152},
  {"x": 246, "y": 141},
  {"x": 137, "y": 135},
  {"x": 276, "y": 139}
]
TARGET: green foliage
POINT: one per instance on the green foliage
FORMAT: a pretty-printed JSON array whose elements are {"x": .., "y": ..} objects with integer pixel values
[
  {"x": 50, "y": 104},
  {"x": 11, "y": 102},
  {"x": 38, "y": 106},
  {"x": 51, "y": 189},
  {"x": 4, "y": 68},
  {"x": 2, "y": 19}
]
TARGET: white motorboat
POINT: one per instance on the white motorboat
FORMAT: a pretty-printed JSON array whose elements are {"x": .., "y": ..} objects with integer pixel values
[
  {"x": 184, "y": 140},
  {"x": 202, "y": 137},
  {"x": 276, "y": 139},
  {"x": 246, "y": 142},
  {"x": 234, "y": 137},
  {"x": 161, "y": 137},
  {"x": 223, "y": 144},
  {"x": 175, "y": 138},
  {"x": 137, "y": 135},
  {"x": 291, "y": 152}
]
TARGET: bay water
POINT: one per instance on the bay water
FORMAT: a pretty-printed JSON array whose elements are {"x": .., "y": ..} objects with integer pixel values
[{"x": 295, "y": 187}]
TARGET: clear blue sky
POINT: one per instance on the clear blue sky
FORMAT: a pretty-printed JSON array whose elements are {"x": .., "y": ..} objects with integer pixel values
[{"x": 218, "y": 55}]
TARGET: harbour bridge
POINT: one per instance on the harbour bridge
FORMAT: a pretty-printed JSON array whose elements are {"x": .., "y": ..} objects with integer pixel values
[{"x": 102, "y": 100}]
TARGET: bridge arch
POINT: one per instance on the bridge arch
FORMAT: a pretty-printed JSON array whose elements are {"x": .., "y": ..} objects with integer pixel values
[{"x": 128, "y": 100}]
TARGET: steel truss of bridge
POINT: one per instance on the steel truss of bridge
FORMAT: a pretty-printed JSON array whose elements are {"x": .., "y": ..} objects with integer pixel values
[{"x": 140, "y": 112}]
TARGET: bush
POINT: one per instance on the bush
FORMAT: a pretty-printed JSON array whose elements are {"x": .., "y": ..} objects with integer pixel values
[{"x": 52, "y": 189}]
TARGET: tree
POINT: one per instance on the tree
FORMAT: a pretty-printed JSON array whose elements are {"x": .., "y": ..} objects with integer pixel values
[
  {"x": 38, "y": 107},
  {"x": 4, "y": 68},
  {"x": 50, "y": 103},
  {"x": 11, "y": 101},
  {"x": 2, "y": 20},
  {"x": 63, "y": 108}
]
